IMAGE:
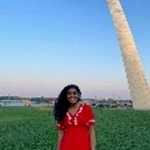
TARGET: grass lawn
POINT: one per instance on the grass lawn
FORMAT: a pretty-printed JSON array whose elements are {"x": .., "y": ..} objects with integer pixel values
[{"x": 33, "y": 128}]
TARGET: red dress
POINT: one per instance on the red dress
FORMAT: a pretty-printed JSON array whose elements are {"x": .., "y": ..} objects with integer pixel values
[{"x": 76, "y": 129}]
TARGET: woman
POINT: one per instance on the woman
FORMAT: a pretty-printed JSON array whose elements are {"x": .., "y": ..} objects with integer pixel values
[{"x": 75, "y": 121}]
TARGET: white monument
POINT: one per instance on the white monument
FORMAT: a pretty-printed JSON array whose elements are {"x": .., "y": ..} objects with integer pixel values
[{"x": 139, "y": 90}]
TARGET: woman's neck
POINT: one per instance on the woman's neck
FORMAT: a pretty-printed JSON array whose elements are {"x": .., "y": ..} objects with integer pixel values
[{"x": 76, "y": 105}]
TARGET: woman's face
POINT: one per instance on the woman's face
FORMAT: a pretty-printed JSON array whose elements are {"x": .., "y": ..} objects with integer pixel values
[{"x": 73, "y": 95}]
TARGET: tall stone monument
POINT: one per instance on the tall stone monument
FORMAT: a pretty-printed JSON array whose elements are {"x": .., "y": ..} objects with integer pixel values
[{"x": 139, "y": 90}]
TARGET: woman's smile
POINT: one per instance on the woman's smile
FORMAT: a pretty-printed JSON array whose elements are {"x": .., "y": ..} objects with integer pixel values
[{"x": 72, "y": 95}]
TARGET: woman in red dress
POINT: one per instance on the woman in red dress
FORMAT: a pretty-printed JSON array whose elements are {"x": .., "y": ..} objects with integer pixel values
[{"x": 74, "y": 121}]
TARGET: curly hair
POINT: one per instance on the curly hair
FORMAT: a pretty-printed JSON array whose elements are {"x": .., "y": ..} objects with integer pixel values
[{"x": 62, "y": 104}]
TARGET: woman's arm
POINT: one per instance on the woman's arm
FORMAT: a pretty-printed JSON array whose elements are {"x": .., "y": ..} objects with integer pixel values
[
  {"x": 60, "y": 135},
  {"x": 92, "y": 137}
]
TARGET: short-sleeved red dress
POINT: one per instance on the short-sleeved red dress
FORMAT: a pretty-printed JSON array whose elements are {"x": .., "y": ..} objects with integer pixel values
[{"x": 76, "y": 129}]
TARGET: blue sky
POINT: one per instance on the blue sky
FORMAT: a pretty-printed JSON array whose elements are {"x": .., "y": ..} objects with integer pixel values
[{"x": 47, "y": 44}]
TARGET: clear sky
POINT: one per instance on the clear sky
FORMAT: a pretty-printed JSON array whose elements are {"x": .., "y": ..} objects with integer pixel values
[{"x": 47, "y": 44}]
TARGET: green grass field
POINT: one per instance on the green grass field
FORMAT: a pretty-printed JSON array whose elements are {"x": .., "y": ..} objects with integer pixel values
[{"x": 28, "y": 128}]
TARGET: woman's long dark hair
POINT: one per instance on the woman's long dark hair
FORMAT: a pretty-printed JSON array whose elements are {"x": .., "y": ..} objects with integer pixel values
[{"x": 62, "y": 104}]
